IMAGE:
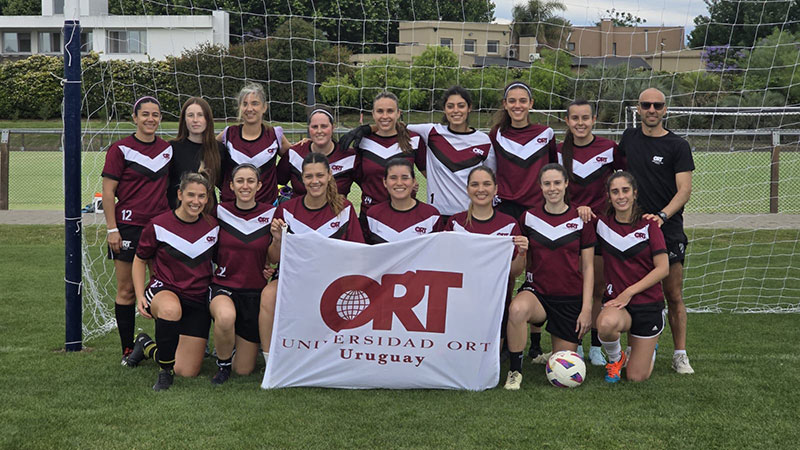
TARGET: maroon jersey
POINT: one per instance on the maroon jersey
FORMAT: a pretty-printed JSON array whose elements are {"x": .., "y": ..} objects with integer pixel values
[
  {"x": 521, "y": 153},
  {"x": 591, "y": 166},
  {"x": 628, "y": 251},
  {"x": 387, "y": 224},
  {"x": 290, "y": 167},
  {"x": 499, "y": 225},
  {"x": 261, "y": 152},
  {"x": 244, "y": 238},
  {"x": 142, "y": 170},
  {"x": 554, "y": 253},
  {"x": 372, "y": 154},
  {"x": 301, "y": 220},
  {"x": 181, "y": 253}
]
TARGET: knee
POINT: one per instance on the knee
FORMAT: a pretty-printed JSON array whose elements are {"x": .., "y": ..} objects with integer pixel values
[
  {"x": 169, "y": 311},
  {"x": 225, "y": 319},
  {"x": 125, "y": 294},
  {"x": 243, "y": 369},
  {"x": 187, "y": 371},
  {"x": 636, "y": 376},
  {"x": 605, "y": 323},
  {"x": 268, "y": 304},
  {"x": 517, "y": 313}
]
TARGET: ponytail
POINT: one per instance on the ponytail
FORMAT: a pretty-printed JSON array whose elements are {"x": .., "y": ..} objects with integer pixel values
[
  {"x": 567, "y": 153},
  {"x": 403, "y": 138}
]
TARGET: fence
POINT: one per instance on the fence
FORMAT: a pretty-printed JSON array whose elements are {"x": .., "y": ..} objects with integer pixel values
[{"x": 737, "y": 172}]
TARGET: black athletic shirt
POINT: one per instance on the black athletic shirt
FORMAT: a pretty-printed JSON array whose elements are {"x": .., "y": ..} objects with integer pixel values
[
  {"x": 186, "y": 157},
  {"x": 654, "y": 163}
]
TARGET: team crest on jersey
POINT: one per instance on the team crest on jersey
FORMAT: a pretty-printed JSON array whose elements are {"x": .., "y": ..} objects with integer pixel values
[
  {"x": 386, "y": 233},
  {"x": 245, "y": 230},
  {"x": 623, "y": 247},
  {"x": 334, "y": 228},
  {"x": 524, "y": 155},
  {"x": 153, "y": 167},
  {"x": 552, "y": 236},
  {"x": 593, "y": 168},
  {"x": 190, "y": 253}
]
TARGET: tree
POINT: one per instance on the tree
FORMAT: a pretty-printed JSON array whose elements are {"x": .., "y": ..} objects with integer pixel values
[
  {"x": 742, "y": 24},
  {"x": 773, "y": 64},
  {"x": 21, "y": 8},
  {"x": 622, "y": 19},
  {"x": 538, "y": 18}
]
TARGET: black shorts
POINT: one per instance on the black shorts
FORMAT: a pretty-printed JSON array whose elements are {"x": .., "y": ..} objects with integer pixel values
[
  {"x": 598, "y": 250},
  {"x": 646, "y": 320},
  {"x": 195, "y": 318},
  {"x": 247, "y": 303},
  {"x": 562, "y": 314},
  {"x": 676, "y": 245},
  {"x": 511, "y": 208},
  {"x": 130, "y": 240}
]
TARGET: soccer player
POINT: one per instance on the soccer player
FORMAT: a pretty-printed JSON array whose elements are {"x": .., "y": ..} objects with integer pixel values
[
  {"x": 195, "y": 149},
  {"x": 560, "y": 273},
  {"x": 321, "y": 210},
  {"x": 320, "y": 132},
  {"x": 589, "y": 161},
  {"x": 403, "y": 216},
  {"x": 253, "y": 142},
  {"x": 634, "y": 263},
  {"x": 239, "y": 279},
  {"x": 135, "y": 174},
  {"x": 662, "y": 163},
  {"x": 179, "y": 245},
  {"x": 522, "y": 149},
  {"x": 453, "y": 150}
]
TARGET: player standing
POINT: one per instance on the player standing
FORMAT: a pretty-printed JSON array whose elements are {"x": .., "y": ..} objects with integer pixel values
[
  {"x": 253, "y": 142},
  {"x": 320, "y": 132},
  {"x": 195, "y": 149},
  {"x": 560, "y": 273},
  {"x": 589, "y": 161},
  {"x": 179, "y": 244},
  {"x": 135, "y": 175},
  {"x": 662, "y": 163},
  {"x": 403, "y": 216},
  {"x": 634, "y": 263}
]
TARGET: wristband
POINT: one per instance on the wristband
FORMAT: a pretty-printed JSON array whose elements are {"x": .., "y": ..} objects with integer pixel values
[
  {"x": 113, "y": 230},
  {"x": 662, "y": 215}
]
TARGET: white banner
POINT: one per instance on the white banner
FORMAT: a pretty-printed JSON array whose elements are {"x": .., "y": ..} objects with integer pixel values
[{"x": 421, "y": 313}]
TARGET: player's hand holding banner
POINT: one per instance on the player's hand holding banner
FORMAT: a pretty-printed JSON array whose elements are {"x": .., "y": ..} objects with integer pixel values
[{"x": 422, "y": 313}]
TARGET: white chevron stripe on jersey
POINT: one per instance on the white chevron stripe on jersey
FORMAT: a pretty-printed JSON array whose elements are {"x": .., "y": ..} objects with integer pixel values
[
  {"x": 622, "y": 243},
  {"x": 327, "y": 229},
  {"x": 343, "y": 165},
  {"x": 384, "y": 152},
  {"x": 155, "y": 163},
  {"x": 553, "y": 233},
  {"x": 389, "y": 234},
  {"x": 525, "y": 151},
  {"x": 462, "y": 142},
  {"x": 296, "y": 160},
  {"x": 257, "y": 160},
  {"x": 584, "y": 170},
  {"x": 245, "y": 227},
  {"x": 505, "y": 231},
  {"x": 190, "y": 249}
]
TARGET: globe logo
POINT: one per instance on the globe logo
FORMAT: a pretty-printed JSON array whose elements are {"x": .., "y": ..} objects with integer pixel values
[{"x": 351, "y": 304}]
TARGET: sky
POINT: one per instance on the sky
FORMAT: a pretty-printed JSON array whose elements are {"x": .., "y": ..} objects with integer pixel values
[{"x": 657, "y": 12}]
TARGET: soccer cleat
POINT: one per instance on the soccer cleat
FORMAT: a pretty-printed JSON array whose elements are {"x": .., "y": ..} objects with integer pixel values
[
  {"x": 138, "y": 354},
  {"x": 165, "y": 378},
  {"x": 680, "y": 364},
  {"x": 125, "y": 354},
  {"x": 613, "y": 369},
  {"x": 221, "y": 376},
  {"x": 514, "y": 381},
  {"x": 540, "y": 358},
  {"x": 596, "y": 356}
]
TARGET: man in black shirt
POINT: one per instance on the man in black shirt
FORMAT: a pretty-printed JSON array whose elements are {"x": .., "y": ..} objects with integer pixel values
[{"x": 662, "y": 164}]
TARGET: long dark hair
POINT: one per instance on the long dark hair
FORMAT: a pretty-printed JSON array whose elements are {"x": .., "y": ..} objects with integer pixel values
[
  {"x": 469, "y": 177},
  {"x": 403, "y": 138},
  {"x": 568, "y": 147},
  {"x": 211, "y": 158},
  {"x": 332, "y": 195},
  {"x": 636, "y": 213},
  {"x": 455, "y": 90},
  {"x": 560, "y": 169},
  {"x": 501, "y": 118}
]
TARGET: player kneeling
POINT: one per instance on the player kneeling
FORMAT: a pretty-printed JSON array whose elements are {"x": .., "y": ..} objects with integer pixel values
[
  {"x": 634, "y": 263},
  {"x": 560, "y": 274},
  {"x": 179, "y": 244}
]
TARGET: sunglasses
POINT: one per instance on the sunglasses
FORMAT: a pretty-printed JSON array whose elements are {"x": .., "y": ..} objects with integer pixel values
[{"x": 657, "y": 105}]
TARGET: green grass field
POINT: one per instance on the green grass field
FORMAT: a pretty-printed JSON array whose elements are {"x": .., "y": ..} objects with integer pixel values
[
  {"x": 744, "y": 394},
  {"x": 723, "y": 182}
]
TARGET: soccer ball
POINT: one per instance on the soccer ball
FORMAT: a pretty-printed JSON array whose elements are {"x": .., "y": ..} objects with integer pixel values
[{"x": 565, "y": 369}]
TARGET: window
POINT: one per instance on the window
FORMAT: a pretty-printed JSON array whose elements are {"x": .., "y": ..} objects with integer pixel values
[
  {"x": 493, "y": 47},
  {"x": 571, "y": 46},
  {"x": 58, "y": 6},
  {"x": 614, "y": 48},
  {"x": 50, "y": 43},
  {"x": 16, "y": 42},
  {"x": 86, "y": 42},
  {"x": 469, "y": 46},
  {"x": 446, "y": 42},
  {"x": 127, "y": 41}
]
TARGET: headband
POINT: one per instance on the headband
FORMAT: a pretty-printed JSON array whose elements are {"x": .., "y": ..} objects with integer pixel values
[
  {"x": 146, "y": 97},
  {"x": 517, "y": 85},
  {"x": 319, "y": 110}
]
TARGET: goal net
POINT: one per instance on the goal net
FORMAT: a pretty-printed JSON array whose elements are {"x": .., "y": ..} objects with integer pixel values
[{"x": 731, "y": 84}]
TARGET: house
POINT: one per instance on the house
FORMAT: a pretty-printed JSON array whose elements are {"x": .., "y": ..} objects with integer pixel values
[
  {"x": 606, "y": 39},
  {"x": 137, "y": 38}
]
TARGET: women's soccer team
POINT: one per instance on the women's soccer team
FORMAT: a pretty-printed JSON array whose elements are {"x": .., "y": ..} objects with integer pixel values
[{"x": 570, "y": 209}]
